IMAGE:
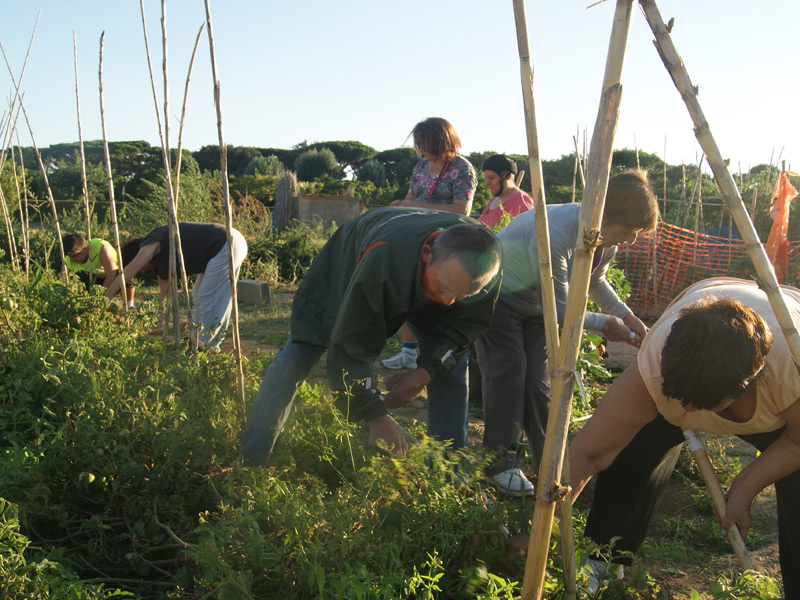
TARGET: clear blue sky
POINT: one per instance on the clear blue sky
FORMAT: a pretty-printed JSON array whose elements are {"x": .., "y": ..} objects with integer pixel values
[{"x": 364, "y": 70}]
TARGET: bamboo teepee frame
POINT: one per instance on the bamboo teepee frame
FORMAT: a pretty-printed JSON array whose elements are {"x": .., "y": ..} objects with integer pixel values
[{"x": 549, "y": 489}]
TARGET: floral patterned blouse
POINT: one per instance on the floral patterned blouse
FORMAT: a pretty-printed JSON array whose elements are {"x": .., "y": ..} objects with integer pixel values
[{"x": 458, "y": 182}]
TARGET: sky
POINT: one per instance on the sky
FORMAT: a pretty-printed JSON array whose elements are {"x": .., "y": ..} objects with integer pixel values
[{"x": 368, "y": 70}]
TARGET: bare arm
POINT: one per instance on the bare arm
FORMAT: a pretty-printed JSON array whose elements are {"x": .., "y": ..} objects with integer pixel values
[
  {"x": 145, "y": 254},
  {"x": 107, "y": 262},
  {"x": 623, "y": 411},
  {"x": 776, "y": 462}
]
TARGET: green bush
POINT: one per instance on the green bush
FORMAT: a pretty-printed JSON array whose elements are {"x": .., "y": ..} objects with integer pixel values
[{"x": 313, "y": 164}]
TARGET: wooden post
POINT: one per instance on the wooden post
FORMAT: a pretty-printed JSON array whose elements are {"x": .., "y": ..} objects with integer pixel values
[
  {"x": 549, "y": 489},
  {"x": 766, "y": 274},
  {"x": 698, "y": 450},
  {"x": 223, "y": 154}
]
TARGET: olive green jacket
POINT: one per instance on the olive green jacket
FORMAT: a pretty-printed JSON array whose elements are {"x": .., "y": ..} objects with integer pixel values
[{"x": 365, "y": 284}]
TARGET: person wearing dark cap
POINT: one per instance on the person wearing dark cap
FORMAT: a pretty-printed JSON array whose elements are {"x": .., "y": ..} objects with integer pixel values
[{"x": 500, "y": 172}]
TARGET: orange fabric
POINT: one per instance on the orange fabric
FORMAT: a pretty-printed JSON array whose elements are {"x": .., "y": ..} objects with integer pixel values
[
  {"x": 368, "y": 248},
  {"x": 777, "y": 247}
]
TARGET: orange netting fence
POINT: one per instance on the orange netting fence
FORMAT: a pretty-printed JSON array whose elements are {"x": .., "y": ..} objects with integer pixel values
[{"x": 659, "y": 267}]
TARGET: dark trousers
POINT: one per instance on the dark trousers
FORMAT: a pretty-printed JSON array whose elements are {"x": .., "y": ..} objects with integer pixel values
[
  {"x": 512, "y": 356},
  {"x": 627, "y": 495}
]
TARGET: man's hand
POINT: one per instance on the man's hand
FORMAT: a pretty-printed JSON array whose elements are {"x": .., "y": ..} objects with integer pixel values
[
  {"x": 384, "y": 428},
  {"x": 404, "y": 387}
]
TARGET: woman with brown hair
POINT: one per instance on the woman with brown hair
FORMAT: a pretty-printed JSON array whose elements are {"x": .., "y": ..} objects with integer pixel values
[{"x": 441, "y": 180}]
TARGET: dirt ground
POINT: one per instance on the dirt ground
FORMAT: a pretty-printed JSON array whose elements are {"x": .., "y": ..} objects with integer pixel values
[{"x": 264, "y": 329}]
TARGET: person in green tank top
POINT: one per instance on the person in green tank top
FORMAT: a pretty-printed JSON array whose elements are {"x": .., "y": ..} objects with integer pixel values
[{"x": 95, "y": 262}]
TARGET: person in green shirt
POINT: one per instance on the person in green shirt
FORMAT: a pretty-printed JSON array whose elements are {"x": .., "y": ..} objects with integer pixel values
[
  {"x": 98, "y": 255},
  {"x": 437, "y": 271}
]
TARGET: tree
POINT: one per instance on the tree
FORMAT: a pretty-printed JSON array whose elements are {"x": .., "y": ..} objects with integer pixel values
[
  {"x": 348, "y": 154},
  {"x": 313, "y": 164},
  {"x": 373, "y": 171},
  {"x": 265, "y": 165},
  {"x": 399, "y": 163}
]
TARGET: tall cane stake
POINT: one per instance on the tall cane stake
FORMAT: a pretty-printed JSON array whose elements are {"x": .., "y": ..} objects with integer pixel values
[
  {"x": 84, "y": 186},
  {"x": 549, "y": 490},
  {"x": 110, "y": 180},
  {"x": 730, "y": 194},
  {"x": 546, "y": 288},
  {"x": 223, "y": 155}
]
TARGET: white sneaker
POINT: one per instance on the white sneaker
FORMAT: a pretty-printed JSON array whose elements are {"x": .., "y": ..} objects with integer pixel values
[
  {"x": 602, "y": 572},
  {"x": 400, "y": 361},
  {"x": 512, "y": 482}
]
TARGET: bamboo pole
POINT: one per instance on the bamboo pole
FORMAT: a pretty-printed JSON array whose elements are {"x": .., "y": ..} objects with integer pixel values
[
  {"x": 175, "y": 240},
  {"x": 549, "y": 489},
  {"x": 579, "y": 163},
  {"x": 546, "y": 286},
  {"x": 766, "y": 274},
  {"x": 50, "y": 198},
  {"x": 172, "y": 204},
  {"x": 698, "y": 450},
  {"x": 110, "y": 180},
  {"x": 23, "y": 220},
  {"x": 84, "y": 186},
  {"x": 179, "y": 155},
  {"x": 25, "y": 228},
  {"x": 223, "y": 155}
]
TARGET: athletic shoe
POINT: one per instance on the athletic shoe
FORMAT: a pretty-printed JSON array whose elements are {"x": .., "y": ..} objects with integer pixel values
[
  {"x": 512, "y": 482},
  {"x": 602, "y": 572},
  {"x": 400, "y": 361}
]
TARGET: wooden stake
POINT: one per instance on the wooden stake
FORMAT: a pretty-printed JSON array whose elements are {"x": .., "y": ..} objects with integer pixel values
[
  {"x": 23, "y": 216},
  {"x": 546, "y": 286},
  {"x": 110, "y": 180},
  {"x": 49, "y": 196},
  {"x": 25, "y": 228},
  {"x": 730, "y": 194},
  {"x": 179, "y": 156},
  {"x": 223, "y": 155},
  {"x": 175, "y": 234},
  {"x": 84, "y": 186},
  {"x": 549, "y": 490},
  {"x": 698, "y": 450}
]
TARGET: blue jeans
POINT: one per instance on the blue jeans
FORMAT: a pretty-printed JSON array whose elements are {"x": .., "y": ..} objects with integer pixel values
[{"x": 447, "y": 401}]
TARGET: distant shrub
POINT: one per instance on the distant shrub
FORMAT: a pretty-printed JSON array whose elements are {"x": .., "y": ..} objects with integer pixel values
[
  {"x": 313, "y": 164},
  {"x": 373, "y": 171}
]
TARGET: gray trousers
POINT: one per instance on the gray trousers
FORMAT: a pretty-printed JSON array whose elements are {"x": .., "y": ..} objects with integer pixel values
[
  {"x": 512, "y": 355},
  {"x": 212, "y": 301}
]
